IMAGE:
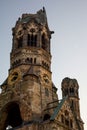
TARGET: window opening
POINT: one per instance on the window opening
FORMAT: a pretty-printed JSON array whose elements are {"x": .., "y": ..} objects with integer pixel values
[
  {"x": 67, "y": 122},
  {"x": 31, "y": 60},
  {"x": 43, "y": 42},
  {"x": 20, "y": 42},
  {"x": 32, "y": 40},
  {"x": 72, "y": 104},
  {"x": 35, "y": 37},
  {"x": 62, "y": 118},
  {"x": 71, "y": 123},
  {"x": 34, "y": 60},
  {"x": 14, "y": 118},
  {"x": 66, "y": 113},
  {"x": 29, "y": 42},
  {"x": 66, "y": 91},
  {"x": 72, "y": 90},
  {"x": 46, "y": 117}
]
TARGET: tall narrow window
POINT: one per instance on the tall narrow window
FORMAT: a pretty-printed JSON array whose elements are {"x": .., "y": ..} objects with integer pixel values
[
  {"x": 34, "y": 60},
  {"x": 35, "y": 40},
  {"x": 62, "y": 118},
  {"x": 20, "y": 42},
  {"x": 43, "y": 42},
  {"x": 32, "y": 40},
  {"x": 71, "y": 123},
  {"x": 72, "y": 104},
  {"x": 28, "y": 42},
  {"x": 72, "y": 90},
  {"x": 31, "y": 60}
]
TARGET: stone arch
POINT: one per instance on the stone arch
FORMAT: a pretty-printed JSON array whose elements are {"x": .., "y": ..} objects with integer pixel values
[{"x": 10, "y": 116}]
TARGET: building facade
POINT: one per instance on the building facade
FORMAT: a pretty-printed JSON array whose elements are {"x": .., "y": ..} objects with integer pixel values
[{"x": 29, "y": 99}]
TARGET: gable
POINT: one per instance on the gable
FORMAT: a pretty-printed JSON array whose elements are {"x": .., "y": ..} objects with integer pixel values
[{"x": 64, "y": 115}]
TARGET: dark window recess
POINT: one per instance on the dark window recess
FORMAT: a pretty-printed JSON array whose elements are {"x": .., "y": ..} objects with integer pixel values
[
  {"x": 32, "y": 40},
  {"x": 35, "y": 38},
  {"x": 71, "y": 123},
  {"x": 34, "y": 60},
  {"x": 66, "y": 122},
  {"x": 29, "y": 41},
  {"x": 20, "y": 42},
  {"x": 44, "y": 42},
  {"x": 72, "y": 90},
  {"x": 45, "y": 65},
  {"x": 66, "y": 113},
  {"x": 72, "y": 104},
  {"x": 46, "y": 117},
  {"x": 29, "y": 60},
  {"x": 62, "y": 118},
  {"x": 66, "y": 92},
  {"x": 17, "y": 62}
]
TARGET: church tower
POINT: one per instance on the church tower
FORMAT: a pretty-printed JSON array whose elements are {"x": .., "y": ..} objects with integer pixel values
[
  {"x": 29, "y": 100},
  {"x": 31, "y": 55},
  {"x": 28, "y": 88},
  {"x": 70, "y": 88}
]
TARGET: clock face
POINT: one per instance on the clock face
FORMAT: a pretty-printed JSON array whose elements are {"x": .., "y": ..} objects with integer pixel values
[{"x": 14, "y": 77}]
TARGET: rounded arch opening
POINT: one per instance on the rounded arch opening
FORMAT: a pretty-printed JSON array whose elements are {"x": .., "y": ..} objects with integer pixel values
[
  {"x": 13, "y": 115},
  {"x": 46, "y": 117}
]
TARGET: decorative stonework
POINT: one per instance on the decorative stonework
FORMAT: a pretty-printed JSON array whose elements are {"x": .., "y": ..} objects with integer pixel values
[{"x": 29, "y": 99}]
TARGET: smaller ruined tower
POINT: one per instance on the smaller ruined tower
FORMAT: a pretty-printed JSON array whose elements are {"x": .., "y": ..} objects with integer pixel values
[{"x": 70, "y": 88}]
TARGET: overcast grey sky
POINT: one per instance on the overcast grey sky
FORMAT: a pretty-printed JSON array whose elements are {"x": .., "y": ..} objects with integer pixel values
[{"x": 68, "y": 19}]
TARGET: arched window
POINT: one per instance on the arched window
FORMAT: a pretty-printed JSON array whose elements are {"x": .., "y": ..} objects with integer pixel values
[
  {"x": 34, "y": 60},
  {"x": 29, "y": 41},
  {"x": 13, "y": 118},
  {"x": 66, "y": 92},
  {"x": 20, "y": 42},
  {"x": 35, "y": 40},
  {"x": 62, "y": 118},
  {"x": 71, "y": 123},
  {"x": 72, "y": 104},
  {"x": 32, "y": 40},
  {"x": 43, "y": 42},
  {"x": 71, "y": 90},
  {"x": 31, "y": 60}
]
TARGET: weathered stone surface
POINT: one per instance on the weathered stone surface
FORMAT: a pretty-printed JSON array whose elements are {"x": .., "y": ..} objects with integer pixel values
[{"x": 29, "y": 99}]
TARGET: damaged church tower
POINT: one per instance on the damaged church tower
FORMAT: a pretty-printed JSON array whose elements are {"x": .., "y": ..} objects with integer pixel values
[{"x": 29, "y": 99}]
